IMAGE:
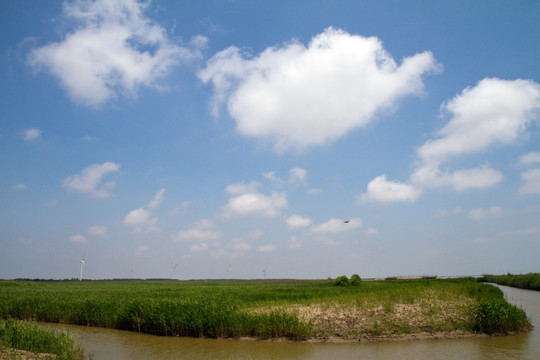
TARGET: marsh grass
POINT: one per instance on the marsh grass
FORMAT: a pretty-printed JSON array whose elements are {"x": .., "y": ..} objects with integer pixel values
[
  {"x": 526, "y": 281},
  {"x": 28, "y": 335},
  {"x": 296, "y": 310}
]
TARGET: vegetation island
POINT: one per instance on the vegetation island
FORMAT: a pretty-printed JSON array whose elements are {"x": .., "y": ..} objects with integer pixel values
[{"x": 344, "y": 309}]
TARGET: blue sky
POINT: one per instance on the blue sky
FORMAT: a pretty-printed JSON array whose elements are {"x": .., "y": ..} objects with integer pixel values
[{"x": 242, "y": 135}]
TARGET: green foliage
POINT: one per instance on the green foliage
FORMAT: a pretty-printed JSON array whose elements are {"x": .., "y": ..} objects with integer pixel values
[
  {"x": 355, "y": 280},
  {"x": 223, "y": 309},
  {"x": 27, "y": 335},
  {"x": 497, "y": 317},
  {"x": 527, "y": 281},
  {"x": 342, "y": 281}
]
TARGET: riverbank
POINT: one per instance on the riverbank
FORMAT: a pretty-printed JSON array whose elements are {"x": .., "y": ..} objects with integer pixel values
[
  {"x": 529, "y": 281},
  {"x": 305, "y": 310}
]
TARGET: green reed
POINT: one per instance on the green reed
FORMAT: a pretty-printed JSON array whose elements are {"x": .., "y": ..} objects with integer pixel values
[
  {"x": 221, "y": 309},
  {"x": 525, "y": 281},
  {"x": 29, "y": 336}
]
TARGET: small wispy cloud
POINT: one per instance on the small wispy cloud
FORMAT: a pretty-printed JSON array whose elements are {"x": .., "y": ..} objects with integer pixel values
[
  {"x": 142, "y": 218},
  {"x": 298, "y": 176},
  {"x": 78, "y": 239},
  {"x": 250, "y": 202},
  {"x": 31, "y": 135},
  {"x": 89, "y": 180},
  {"x": 482, "y": 214},
  {"x": 336, "y": 226},
  {"x": 297, "y": 221},
  {"x": 266, "y": 248},
  {"x": 449, "y": 212},
  {"x": 18, "y": 187},
  {"x": 97, "y": 230},
  {"x": 530, "y": 158},
  {"x": 295, "y": 242},
  {"x": 531, "y": 182},
  {"x": 204, "y": 230},
  {"x": 383, "y": 191}
]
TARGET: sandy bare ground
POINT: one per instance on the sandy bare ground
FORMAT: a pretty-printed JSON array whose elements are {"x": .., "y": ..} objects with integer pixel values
[{"x": 12, "y": 354}]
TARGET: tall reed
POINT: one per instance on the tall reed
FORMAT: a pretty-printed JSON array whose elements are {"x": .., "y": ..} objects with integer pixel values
[{"x": 28, "y": 335}]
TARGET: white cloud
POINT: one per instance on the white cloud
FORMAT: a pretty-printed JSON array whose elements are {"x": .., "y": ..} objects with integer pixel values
[
  {"x": 201, "y": 231},
  {"x": 530, "y": 158},
  {"x": 297, "y": 221},
  {"x": 182, "y": 208},
  {"x": 482, "y": 214},
  {"x": 531, "y": 179},
  {"x": 242, "y": 187},
  {"x": 266, "y": 248},
  {"x": 19, "y": 187},
  {"x": 271, "y": 175},
  {"x": 97, "y": 230},
  {"x": 481, "y": 178},
  {"x": 255, "y": 234},
  {"x": 156, "y": 201},
  {"x": 298, "y": 96},
  {"x": 114, "y": 49},
  {"x": 454, "y": 211},
  {"x": 314, "y": 191},
  {"x": 494, "y": 111},
  {"x": 239, "y": 245},
  {"x": 199, "y": 248},
  {"x": 254, "y": 203},
  {"x": 30, "y": 135},
  {"x": 336, "y": 226},
  {"x": 89, "y": 179},
  {"x": 380, "y": 190},
  {"x": 142, "y": 218},
  {"x": 297, "y": 176},
  {"x": 78, "y": 239}
]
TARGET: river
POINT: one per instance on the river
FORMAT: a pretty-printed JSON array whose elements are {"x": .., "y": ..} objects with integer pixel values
[{"x": 124, "y": 345}]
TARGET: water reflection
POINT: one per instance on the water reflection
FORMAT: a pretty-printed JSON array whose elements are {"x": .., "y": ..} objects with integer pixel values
[{"x": 123, "y": 345}]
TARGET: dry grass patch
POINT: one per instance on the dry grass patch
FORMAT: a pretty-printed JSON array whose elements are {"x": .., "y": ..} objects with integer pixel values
[
  {"x": 370, "y": 321},
  {"x": 13, "y": 354}
]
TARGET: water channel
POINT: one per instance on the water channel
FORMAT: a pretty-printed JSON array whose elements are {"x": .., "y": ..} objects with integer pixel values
[{"x": 124, "y": 345}]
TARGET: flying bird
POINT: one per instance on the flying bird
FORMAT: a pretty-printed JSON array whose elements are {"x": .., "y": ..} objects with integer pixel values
[{"x": 346, "y": 221}]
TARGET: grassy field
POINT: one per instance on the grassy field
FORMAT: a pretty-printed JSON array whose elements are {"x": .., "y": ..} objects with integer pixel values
[
  {"x": 298, "y": 310},
  {"x": 527, "y": 281}
]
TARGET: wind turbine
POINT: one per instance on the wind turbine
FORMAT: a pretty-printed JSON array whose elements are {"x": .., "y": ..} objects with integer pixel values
[
  {"x": 174, "y": 270},
  {"x": 229, "y": 270},
  {"x": 82, "y": 266},
  {"x": 264, "y": 273}
]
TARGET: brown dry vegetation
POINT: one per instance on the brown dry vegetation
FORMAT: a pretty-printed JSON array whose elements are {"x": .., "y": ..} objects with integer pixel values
[
  {"x": 426, "y": 317},
  {"x": 12, "y": 354}
]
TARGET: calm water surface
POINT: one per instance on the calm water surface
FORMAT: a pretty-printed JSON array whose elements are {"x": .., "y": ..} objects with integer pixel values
[{"x": 124, "y": 345}]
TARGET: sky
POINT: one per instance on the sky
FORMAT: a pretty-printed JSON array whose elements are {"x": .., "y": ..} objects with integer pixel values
[{"x": 278, "y": 139}]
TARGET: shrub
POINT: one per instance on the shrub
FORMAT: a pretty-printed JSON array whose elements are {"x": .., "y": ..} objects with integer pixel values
[
  {"x": 342, "y": 281},
  {"x": 494, "y": 317},
  {"x": 355, "y": 280}
]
